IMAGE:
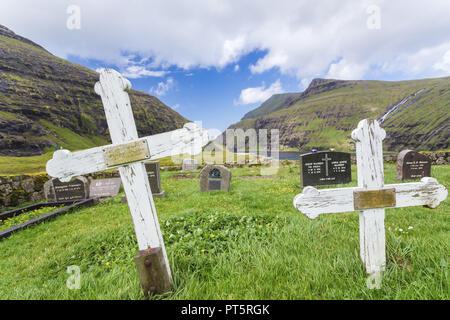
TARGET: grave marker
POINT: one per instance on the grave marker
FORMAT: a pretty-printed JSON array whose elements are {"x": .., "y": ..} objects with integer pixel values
[
  {"x": 127, "y": 153},
  {"x": 104, "y": 188},
  {"x": 154, "y": 178},
  {"x": 371, "y": 197},
  {"x": 412, "y": 165},
  {"x": 215, "y": 178},
  {"x": 56, "y": 190},
  {"x": 325, "y": 168}
]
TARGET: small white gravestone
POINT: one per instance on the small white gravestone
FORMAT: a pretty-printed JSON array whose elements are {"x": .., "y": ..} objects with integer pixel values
[
  {"x": 371, "y": 197},
  {"x": 128, "y": 152}
]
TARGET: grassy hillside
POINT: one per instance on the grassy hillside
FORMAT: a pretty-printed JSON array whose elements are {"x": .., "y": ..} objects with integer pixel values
[
  {"x": 249, "y": 243},
  {"x": 47, "y": 101},
  {"x": 325, "y": 114}
]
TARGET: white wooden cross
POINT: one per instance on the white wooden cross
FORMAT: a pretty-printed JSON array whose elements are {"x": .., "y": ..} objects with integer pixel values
[
  {"x": 127, "y": 153},
  {"x": 371, "y": 197}
]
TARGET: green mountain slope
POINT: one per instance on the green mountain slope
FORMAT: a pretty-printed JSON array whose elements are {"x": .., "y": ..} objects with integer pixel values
[
  {"x": 47, "y": 101},
  {"x": 415, "y": 113}
]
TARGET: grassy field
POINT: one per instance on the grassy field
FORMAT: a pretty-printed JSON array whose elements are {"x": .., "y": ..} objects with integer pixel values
[{"x": 249, "y": 243}]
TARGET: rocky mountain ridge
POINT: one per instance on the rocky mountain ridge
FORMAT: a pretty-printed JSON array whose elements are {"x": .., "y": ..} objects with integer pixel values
[
  {"x": 415, "y": 114},
  {"x": 46, "y": 101}
]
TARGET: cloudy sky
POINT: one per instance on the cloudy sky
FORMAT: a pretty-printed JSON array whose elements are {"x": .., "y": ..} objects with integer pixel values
[{"x": 215, "y": 60}]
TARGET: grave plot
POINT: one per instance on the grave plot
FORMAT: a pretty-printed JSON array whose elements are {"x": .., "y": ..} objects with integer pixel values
[{"x": 18, "y": 219}]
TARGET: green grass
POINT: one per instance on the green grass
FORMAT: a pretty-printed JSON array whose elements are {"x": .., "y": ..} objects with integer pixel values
[
  {"x": 24, "y": 165},
  {"x": 70, "y": 140},
  {"x": 262, "y": 247},
  {"x": 25, "y": 217}
]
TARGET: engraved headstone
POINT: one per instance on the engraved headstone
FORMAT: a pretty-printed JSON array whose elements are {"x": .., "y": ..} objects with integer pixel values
[
  {"x": 77, "y": 189},
  {"x": 412, "y": 165},
  {"x": 104, "y": 188},
  {"x": 325, "y": 168},
  {"x": 189, "y": 164},
  {"x": 215, "y": 178},
  {"x": 154, "y": 177}
]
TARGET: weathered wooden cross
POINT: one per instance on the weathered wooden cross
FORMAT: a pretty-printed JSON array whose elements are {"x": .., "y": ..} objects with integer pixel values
[
  {"x": 127, "y": 153},
  {"x": 371, "y": 197}
]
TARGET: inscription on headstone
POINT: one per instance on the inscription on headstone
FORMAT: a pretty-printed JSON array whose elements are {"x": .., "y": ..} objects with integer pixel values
[
  {"x": 104, "y": 188},
  {"x": 215, "y": 178},
  {"x": 325, "y": 168},
  {"x": 412, "y": 165},
  {"x": 77, "y": 189},
  {"x": 189, "y": 164}
]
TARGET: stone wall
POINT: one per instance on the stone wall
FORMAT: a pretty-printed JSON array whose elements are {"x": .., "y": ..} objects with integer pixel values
[{"x": 15, "y": 190}]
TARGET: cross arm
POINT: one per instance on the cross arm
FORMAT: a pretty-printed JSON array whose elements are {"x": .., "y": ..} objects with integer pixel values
[
  {"x": 190, "y": 140},
  {"x": 313, "y": 202}
]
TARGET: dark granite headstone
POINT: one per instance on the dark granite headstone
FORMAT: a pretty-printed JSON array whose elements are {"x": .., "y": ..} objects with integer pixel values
[
  {"x": 215, "y": 178},
  {"x": 77, "y": 189},
  {"x": 325, "y": 168},
  {"x": 104, "y": 188},
  {"x": 412, "y": 165},
  {"x": 154, "y": 178}
]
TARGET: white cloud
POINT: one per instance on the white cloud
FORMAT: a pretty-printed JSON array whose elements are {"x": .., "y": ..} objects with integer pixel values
[
  {"x": 163, "y": 87},
  {"x": 236, "y": 67},
  {"x": 298, "y": 37},
  {"x": 259, "y": 94},
  {"x": 346, "y": 71},
  {"x": 443, "y": 64},
  {"x": 135, "y": 72}
]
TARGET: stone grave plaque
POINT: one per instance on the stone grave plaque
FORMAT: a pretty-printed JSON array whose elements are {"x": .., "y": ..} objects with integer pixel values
[
  {"x": 412, "y": 165},
  {"x": 77, "y": 189},
  {"x": 215, "y": 178},
  {"x": 154, "y": 178},
  {"x": 104, "y": 188},
  {"x": 325, "y": 168},
  {"x": 189, "y": 164}
]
